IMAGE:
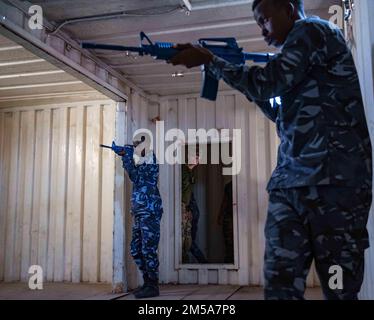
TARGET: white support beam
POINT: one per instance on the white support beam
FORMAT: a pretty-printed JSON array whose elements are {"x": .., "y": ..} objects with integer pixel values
[
  {"x": 62, "y": 52},
  {"x": 119, "y": 283}
]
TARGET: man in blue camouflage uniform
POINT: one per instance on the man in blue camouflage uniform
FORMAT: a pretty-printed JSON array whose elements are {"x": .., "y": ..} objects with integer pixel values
[
  {"x": 320, "y": 191},
  {"x": 146, "y": 209}
]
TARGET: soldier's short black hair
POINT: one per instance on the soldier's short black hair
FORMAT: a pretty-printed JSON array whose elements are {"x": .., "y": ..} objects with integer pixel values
[{"x": 297, "y": 3}]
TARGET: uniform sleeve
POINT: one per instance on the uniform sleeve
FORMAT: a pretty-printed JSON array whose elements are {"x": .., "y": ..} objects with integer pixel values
[
  {"x": 304, "y": 47},
  {"x": 148, "y": 173},
  {"x": 128, "y": 163}
]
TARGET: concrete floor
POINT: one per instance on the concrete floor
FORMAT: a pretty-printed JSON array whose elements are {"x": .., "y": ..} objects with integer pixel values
[
  {"x": 215, "y": 292},
  {"x": 56, "y": 291},
  {"x": 68, "y": 291}
]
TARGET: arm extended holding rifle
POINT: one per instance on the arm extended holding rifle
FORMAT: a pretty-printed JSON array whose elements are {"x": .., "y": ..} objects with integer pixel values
[
  {"x": 120, "y": 150},
  {"x": 225, "y": 48}
]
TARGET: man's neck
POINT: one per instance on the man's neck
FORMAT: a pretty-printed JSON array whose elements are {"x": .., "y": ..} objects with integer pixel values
[{"x": 300, "y": 15}]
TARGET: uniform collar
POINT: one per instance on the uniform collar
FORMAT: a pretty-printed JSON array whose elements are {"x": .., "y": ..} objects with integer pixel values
[{"x": 147, "y": 159}]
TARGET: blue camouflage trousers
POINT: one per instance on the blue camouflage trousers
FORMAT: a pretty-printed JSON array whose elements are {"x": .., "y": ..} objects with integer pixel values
[
  {"x": 324, "y": 223},
  {"x": 144, "y": 244}
]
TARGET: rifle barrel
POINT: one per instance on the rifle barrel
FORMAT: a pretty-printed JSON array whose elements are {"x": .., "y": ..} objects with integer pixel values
[{"x": 91, "y": 45}]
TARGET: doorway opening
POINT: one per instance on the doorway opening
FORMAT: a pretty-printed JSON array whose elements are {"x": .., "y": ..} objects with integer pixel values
[{"x": 206, "y": 207}]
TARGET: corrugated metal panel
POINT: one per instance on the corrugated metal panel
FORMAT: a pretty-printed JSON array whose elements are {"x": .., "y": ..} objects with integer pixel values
[
  {"x": 363, "y": 53},
  {"x": 57, "y": 191}
]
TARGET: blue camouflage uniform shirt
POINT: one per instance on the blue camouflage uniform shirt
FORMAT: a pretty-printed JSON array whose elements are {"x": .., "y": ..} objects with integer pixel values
[
  {"x": 321, "y": 123},
  {"x": 145, "y": 194}
]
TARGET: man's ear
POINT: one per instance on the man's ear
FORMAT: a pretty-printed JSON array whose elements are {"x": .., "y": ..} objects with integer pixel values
[{"x": 291, "y": 9}]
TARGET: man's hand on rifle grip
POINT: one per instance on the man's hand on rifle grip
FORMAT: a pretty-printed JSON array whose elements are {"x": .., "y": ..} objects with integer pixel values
[
  {"x": 191, "y": 55},
  {"x": 118, "y": 149}
]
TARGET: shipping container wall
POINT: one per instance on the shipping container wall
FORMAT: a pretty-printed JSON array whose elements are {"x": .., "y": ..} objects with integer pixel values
[
  {"x": 56, "y": 198},
  {"x": 363, "y": 51}
]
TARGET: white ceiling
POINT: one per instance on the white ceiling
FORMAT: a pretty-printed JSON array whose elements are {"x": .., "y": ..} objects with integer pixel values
[
  {"x": 24, "y": 76},
  {"x": 208, "y": 18}
]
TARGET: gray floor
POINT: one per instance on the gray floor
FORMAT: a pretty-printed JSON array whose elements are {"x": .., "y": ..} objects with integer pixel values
[
  {"x": 215, "y": 292},
  {"x": 68, "y": 291}
]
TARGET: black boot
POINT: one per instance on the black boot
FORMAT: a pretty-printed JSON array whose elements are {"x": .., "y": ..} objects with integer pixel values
[
  {"x": 145, "y": 281},
  {"x": 150, "y": 289},
  {"x": 138, "y": 289}
]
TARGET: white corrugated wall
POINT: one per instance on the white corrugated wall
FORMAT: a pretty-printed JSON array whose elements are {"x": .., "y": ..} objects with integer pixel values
[
  {"x": 56, "y": 205},
  {"x": 363, "y": 26}
]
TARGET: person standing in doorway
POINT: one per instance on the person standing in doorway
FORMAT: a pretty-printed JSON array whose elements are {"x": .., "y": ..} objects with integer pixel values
[{"x": 190, "y": 213}]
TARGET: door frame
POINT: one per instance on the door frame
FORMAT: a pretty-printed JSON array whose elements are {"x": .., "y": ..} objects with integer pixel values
[{"x": 178, "y": 214}]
